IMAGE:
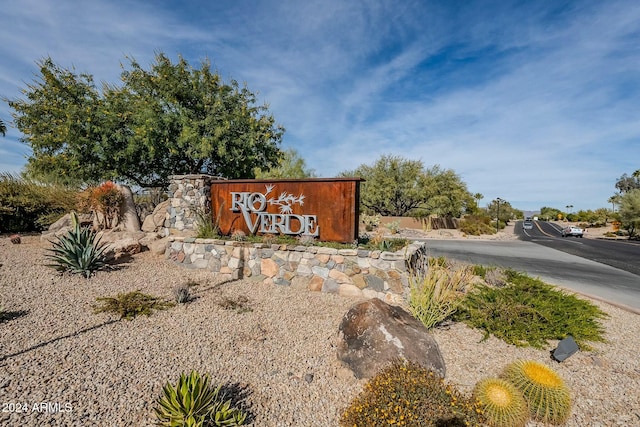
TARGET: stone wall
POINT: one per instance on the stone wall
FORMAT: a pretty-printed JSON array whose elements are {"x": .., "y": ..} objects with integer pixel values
[
  {"x": 350, "y": 272},
  {"x": 187, "y": 193}
]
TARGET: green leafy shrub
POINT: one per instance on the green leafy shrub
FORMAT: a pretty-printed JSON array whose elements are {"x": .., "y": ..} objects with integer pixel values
[
  {"x": 79, "y": 251},
  {"x": 408, "y": 394},
  {"x": 475, "y": 225},
  {"x": 503, "y": 405},
  {"x": 131, "y": 304},
  {"x": 26, "y": 205},
  {"x": 546, "y": 393},
  {"x": 529, "y": 312},
  {"x": 193, "y": 403},
  {"x": 436, "y": 292}
]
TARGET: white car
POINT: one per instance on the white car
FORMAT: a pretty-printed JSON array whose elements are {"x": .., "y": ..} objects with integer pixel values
[
  {"x": 571, "y": 231},
  {"x": 527, "y": 225}
]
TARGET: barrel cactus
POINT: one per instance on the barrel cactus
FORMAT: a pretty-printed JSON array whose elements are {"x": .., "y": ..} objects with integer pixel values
[
  {"x": 502, "y": 403},
  {"x": 546, "y": 393}
]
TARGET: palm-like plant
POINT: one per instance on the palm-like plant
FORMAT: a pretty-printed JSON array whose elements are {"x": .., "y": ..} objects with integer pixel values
[{"x": 79, "y": 251}]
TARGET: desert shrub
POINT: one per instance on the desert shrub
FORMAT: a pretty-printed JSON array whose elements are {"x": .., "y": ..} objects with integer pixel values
[
  {"x": 546, "y": 393},
  {"x": 182, "y": 294},
  {"x": 238, "y": 236},
  {"x": 410, "y": 395},
  {"x": 529, "y": 312},
  {"x": 206, "y": 226},
  {"x": 479, "y": 270},
  {"x": 503, "y": 405},
  {"x": 240, "y": 304},
  {"x": 476, "y": 225},
  {"x": 131, "y": 304},
  {"x": 26, "y": 205},
  {"x": 370, "y": 221},
  {"x": 147, "y": 199},
  {"x": 108, "y": 201},
  {"x": 306, "y": 240},
  {"x": 436, "y": 292},
  {"x": 393, "y": 227},
  {"x": 194, "y": 403},
  {"x": 79, "y": 251}
]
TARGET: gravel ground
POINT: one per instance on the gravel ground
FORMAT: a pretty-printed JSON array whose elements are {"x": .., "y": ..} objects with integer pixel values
[{"x": 279, "y": 357}]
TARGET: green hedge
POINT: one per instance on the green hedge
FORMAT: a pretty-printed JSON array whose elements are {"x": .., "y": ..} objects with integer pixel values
[{"x": 29, "y": 206}]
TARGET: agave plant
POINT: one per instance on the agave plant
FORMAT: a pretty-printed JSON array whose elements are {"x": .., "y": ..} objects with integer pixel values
[
  {"x": 192, "y": 403},
  {"x": 79, "y": 251}
]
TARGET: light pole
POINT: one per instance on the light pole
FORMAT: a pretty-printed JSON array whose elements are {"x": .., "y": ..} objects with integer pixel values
[
  {"x": 498, "y": 200},
  {"x": 568, "y": 210}
]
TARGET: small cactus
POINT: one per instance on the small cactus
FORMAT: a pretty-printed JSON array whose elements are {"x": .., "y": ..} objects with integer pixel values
[
  {"x": 503, "y": 404},
  {"x": 546, "y": 393}
]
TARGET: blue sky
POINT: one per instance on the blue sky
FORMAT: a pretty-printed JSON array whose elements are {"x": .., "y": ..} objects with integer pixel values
[{"x": 535, "y": 102}]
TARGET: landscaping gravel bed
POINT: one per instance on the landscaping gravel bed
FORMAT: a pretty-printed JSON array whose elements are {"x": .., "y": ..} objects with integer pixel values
[{"x": 278, "y": 354}]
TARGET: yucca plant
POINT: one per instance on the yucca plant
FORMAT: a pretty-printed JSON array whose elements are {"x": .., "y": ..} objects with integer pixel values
[
  {"x": 193, "y": 403},
  {"x": 79, "y": 251}
]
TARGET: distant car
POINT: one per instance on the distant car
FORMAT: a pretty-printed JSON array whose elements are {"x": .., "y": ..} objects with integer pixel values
[
  {"x": 571, "y": 231},
  {"x": 527, "y": 225}
]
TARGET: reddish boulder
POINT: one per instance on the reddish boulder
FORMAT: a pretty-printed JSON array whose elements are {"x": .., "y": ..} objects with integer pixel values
[
  {"x": 15, "y": 239},
  {"x": 373, "y": 333}
]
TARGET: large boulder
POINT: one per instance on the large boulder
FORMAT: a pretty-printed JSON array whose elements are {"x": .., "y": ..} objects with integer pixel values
[
  {"x": 129, "y": 221},
  {"x": 121, "y": 244},
  {"x": 155, "y": 221},
  {"x": 373, "y": 333}
]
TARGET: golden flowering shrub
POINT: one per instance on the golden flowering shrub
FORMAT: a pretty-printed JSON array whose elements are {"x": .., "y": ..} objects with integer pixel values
[{"x": 407, "y": 394}]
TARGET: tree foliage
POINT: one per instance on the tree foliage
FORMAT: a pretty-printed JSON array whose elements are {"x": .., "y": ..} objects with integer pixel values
[
  {"x": 626, "y": 183},
  {"x": 290, "y": 165},
  {"x": 550, "y": 214},
  {"x": 630, "y": 211},
  {"x": 395, "y": 186},
  {"x": 170, "y": 119},
  {"x": 506, "y": 211}
]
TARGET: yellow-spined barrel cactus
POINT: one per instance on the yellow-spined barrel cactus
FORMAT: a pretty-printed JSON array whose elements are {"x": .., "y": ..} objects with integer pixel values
[
  {"x": 546, "y": 393},
  {"x": 502, "y": 403}
]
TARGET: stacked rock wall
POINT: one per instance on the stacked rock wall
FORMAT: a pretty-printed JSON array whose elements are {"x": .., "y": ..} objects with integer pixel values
[
  {"x": 187, "y": 194},
  {"x": 352, "y": 272}
]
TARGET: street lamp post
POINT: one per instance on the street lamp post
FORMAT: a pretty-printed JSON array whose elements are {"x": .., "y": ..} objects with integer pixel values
[
  {"x": 569, "y": 207},
  {"x": 498, "y": 200}
]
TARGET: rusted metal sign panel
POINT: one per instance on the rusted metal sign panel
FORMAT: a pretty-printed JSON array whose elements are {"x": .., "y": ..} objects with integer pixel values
[{"x": 326, "y": 208}]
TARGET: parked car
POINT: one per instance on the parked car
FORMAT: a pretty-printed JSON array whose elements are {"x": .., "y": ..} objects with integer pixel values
[
  {"x": 527, "y": 225},
  {"x": 571, "y": 231}
]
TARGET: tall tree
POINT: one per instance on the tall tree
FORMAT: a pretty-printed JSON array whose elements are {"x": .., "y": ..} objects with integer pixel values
[
  {"x": 290, "y": 165},
  {"x": 171, "y": 119},
  {"x": 60, "y": 122},
  {"x": 627, "y": 183},
  {"x": 395, "y": 186},
  {"x": 630, "y": 211}
]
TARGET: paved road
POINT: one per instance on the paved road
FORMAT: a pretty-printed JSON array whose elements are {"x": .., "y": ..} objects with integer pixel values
[
  {"x": 622, "y": 254},
  {"x": 550, "y": 265}
]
